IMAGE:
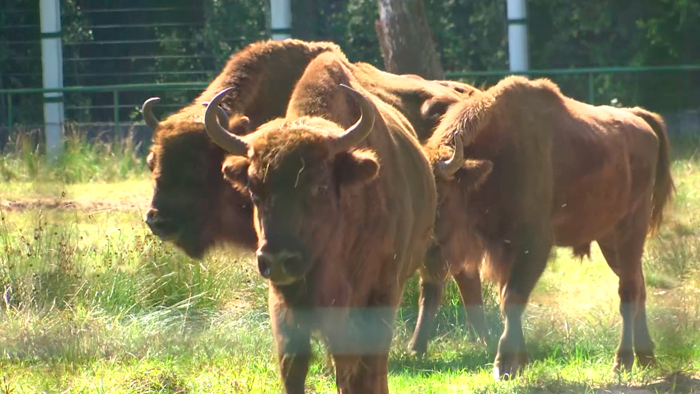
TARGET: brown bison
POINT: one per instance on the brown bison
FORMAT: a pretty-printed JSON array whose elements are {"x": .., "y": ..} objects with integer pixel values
[
  {"x": 549, "y": 170},
  {"x": 344, "y": 214},
  {"x": 192, "y": 205}
]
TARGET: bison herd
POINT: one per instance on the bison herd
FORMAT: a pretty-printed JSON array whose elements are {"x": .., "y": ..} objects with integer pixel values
[{"x": 346, "y": 181}]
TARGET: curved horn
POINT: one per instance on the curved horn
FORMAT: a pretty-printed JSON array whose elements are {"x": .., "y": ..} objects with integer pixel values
[
  {"x": 223, "y": 116},
  {"x": 147, "y": 109},
  {"x": 361, "y": 129},
  {"x": 228, "y": 141},
  {"x": 447, "y": 168}
]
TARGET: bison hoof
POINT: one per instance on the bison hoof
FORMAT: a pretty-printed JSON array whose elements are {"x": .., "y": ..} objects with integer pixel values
[
  {"x": 417, "y": 350},
  {"x": 646, "y": 360},
  {"x": 623, "y": 361},
  {"x": 509, "y": 366}
]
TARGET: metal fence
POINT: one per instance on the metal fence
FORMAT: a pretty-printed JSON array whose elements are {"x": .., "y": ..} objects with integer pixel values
[
  {"x": 116, "y": 110},
  {"x": 590, "y": 74},
  {"x": 127, "y": 45}
]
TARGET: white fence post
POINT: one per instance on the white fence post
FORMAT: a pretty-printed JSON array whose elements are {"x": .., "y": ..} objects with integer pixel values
[
  {"x": 517, "y": 35},
  {"x": 52, "y": 64},
  {"x": 281, "y": 19}
]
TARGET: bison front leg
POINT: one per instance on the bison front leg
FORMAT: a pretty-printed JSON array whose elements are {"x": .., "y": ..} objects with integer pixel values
[
  {"x": 428, "y": 304},
  {"x": 359, "y": 374},
  {"x": 293, "y": 342},
  {"x": 432, "y": 282},
  {"x": 529, "y": 256},
  {"x": 470, "y": 289},
  {"x": 361, "y": 350}
]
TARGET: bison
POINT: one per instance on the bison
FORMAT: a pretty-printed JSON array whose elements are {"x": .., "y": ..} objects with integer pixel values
[
  {"x": 192, "y": 206},
  {"x": 543, "y": 169},
  {"x": 344, "y": 214}
]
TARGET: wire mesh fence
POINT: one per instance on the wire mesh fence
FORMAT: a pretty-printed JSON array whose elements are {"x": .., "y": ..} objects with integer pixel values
[{"x": 117, "y": 54}]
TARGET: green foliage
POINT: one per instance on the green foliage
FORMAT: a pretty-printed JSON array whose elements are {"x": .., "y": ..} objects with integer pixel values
[
  {"x": 605, "y": 33},
  {"x": 190, "y": 41},
  {"x": 471, "y": 35},
  {"x": 60, "y": 260},
  {"x": 81, "y": 160}
]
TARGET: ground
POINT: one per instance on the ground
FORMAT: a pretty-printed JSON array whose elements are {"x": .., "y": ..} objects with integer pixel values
[{"x": 92, "y": 303}]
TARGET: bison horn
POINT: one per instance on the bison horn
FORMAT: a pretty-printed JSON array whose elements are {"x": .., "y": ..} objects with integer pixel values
[
  {"x": 223, "y": 116},
  {"x": 222, "y": 137},
  {"x": 361, "y": 129},
  {"x": 447, "y": 168},
  {"x": 147, "y": 109}
]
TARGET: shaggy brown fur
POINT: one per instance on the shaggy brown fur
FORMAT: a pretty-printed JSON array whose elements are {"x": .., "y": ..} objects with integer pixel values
[
  {"x": 563, "y": 173},
  {"x": 359, "y": 222},
  {"x": 198, "y": 209}
]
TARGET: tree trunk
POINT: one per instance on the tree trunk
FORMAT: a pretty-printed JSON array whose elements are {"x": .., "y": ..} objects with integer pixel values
[
  {"x": 305, "y": 15},
  {"x": 406, "y": 40}
]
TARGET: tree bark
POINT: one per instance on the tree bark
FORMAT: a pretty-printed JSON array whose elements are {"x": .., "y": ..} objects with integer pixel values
[
  {"x": 406, "y": 40},
  {"x": 305, "y": 16}
]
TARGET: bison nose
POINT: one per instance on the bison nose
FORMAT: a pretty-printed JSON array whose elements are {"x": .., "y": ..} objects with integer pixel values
[
  {"x": 156, "y": 223},
  {"x": 265, "y": 262},
  {"x": 278, "y": 267}
]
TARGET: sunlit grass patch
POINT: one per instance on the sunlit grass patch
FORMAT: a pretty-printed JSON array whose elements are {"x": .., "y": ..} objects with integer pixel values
[
  {"x": 90, "y": 302},
  {"x": 81, "y": 160},
  {"x": 110, "y": 262}
]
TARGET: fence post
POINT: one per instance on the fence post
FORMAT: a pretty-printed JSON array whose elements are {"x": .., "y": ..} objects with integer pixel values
[
  {"x": 591, "y": 90},
  {"x": 9, "y": 112},
  {"x": 281, "y": 19},
  {"x": 518, "y": 57},
  {"x": 52, "y": 66},
  {"x": 115, "y": 102}
]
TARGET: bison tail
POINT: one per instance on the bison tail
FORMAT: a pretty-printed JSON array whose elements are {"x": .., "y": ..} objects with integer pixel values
[{"x": 664, "y": 186}]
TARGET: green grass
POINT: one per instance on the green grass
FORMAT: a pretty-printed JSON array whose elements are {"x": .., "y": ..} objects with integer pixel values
[
  {"x": 81, "y": 162},
  {"x": 90, "y": 302}
]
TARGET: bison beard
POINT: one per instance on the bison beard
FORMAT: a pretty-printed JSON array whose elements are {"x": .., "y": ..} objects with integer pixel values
[
  {"x": 339, "y": 233},
  {"x": 557, "y": 172}
]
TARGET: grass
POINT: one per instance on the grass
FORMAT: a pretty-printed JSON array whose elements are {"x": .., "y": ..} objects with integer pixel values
[
  {"x": 90, "y": 302},
  {"x": 99, "y": 160}
]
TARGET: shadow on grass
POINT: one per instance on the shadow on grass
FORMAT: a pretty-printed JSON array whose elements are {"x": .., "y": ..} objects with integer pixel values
[
  {"x": 472, "y": 360},
  {"x": 650, "y": 382},
  {"x": 671, "y": 383}
]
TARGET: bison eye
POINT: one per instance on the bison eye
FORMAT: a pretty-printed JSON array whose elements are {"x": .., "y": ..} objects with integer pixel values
[{"x": 319, "y": 190}]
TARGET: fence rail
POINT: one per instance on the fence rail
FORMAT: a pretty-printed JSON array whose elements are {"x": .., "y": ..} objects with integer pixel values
[
  {"x": 591, "y": 72},
  {"x": 185, "y": 86}
]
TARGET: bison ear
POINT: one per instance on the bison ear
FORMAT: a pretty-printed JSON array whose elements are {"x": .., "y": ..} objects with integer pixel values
[
  {"x": 239, "y": 126},
  {"x": 474, "y": 172},
  {"x": 235, "y": 170},
  {"x": 435, "y": 107},
  {"x": 356, "y": 168}
]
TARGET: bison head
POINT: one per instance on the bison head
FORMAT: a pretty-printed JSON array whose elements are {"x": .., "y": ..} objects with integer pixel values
[
  {"x": 192, "y": 205},
  {"x": 455, "y": 179},
  {"x": 295, "y": 171}
]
